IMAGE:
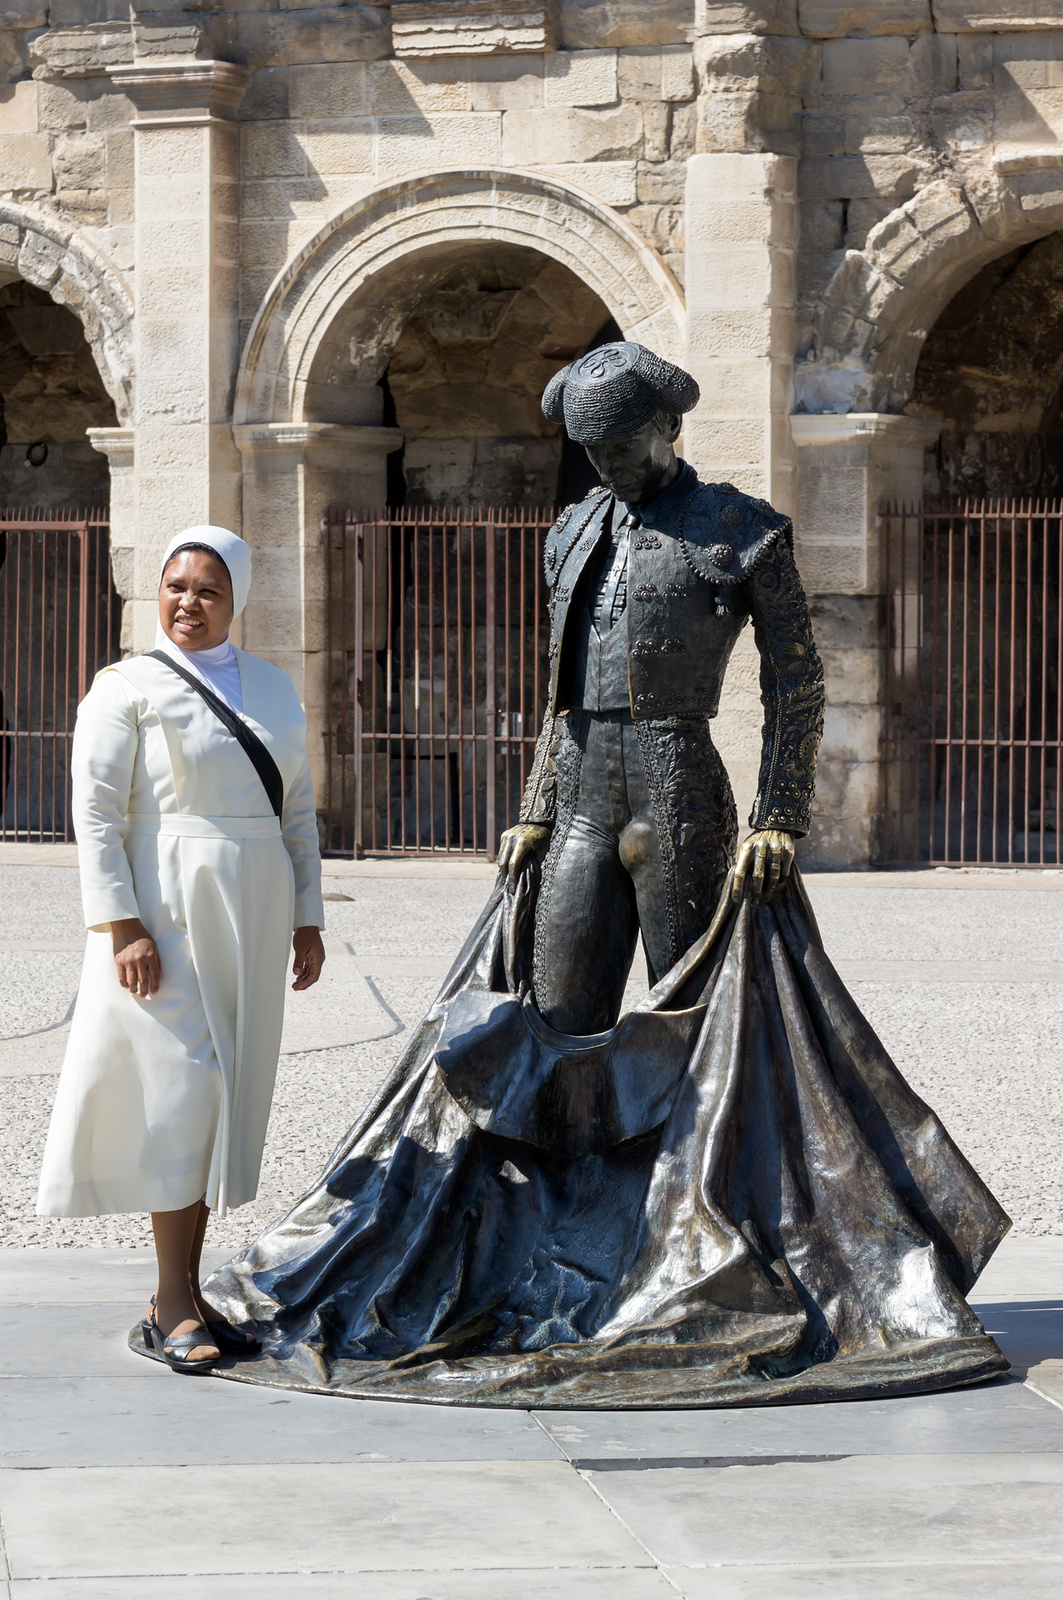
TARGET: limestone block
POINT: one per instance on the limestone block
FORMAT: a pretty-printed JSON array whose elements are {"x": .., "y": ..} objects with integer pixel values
[
  {"x": 332, "y": 90},
  {"x": 866, "y": 66},
  {"x": 974, "y": 55},
  {"x": 963, "y": 121},
  {"x": 357, "y": 32},
  {"x": 820, "y": 225},
  {"x": 935, "y": 64},
  {"x": 505, "y": 83},
  {"x": 18, "y": 108},
  {"x": 831, "y": 568},
  {"x": 266, "y": 95},
  {"x": 272, "y": 150},
  {"x": 858, "y": 177},
  {"x": 822, "y": 134},
  {"x": 677, "y": 73},
  {"x": 996, "y": 16},
  {"x": 611, "y": 181},
  {"x": 81, "y": 52},
  {"x": 80, "y": 162},
  {"x": 585, "y": 24},
  {"x": 402, "y": 88},
  {"x": 835, "y": 19},
  {"x": 863, "y": 215},
  {"x": 661, "y": 183},
  {"x": 741, "y": 62},
  {"x": 851, "y": 732},
  {"x": 580, "y": 78},
  {"x": 550, "y": 137},
  {"x": 682, "y": 139},
  {"x": 24, "y": 161},
  {"x": 87, "y": 208},
  {"x": 24, "y": 13},
  {"x": 345, "y": 145},
  {"x": 714, "y": 332},
  {"x": 880, "y": 135},
  {"x": 746, "y": 16},
  {"x": 105, "y": 111},
  {"x": 457, "y": 139},
  {"x": 62, "y": 104},
  {"x": 472, "y": 27},
  {"x": 833, "y": 844},
  {"x": 120, "y": 158}
]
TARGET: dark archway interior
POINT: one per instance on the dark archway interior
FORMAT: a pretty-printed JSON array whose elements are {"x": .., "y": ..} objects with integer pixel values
[
  {"x": 455, "y": 345},
  {"x": 50, "y": 392},
  {"x": 993, "y": 367}
]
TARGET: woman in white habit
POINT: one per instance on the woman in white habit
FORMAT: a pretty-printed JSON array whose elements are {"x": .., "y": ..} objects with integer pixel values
[{"x": 192, "y": 886}]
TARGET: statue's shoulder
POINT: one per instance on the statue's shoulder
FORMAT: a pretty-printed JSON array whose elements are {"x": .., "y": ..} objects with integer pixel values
[
  {"x": 727, "y": 534},
  {"x": 566, "y": 530}
]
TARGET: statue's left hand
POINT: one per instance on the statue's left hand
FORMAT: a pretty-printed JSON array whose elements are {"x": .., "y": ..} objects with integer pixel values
[{"x": 770, "y": 853}]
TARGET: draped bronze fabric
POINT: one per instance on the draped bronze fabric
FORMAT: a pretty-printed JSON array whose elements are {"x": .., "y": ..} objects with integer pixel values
[{"x": 732, "y": 1198}]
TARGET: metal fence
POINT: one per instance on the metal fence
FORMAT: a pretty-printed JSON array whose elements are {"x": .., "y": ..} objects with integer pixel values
[
  {"x": 974, "y": 661},
  {"x": 60, "y": 621},
  {"x": 437, "y": 656}
]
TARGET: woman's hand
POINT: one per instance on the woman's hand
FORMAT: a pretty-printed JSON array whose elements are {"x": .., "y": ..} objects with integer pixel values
[
  {"x": 770, "y": 853},
  {"x": 309, "y": 956},
  {"x": 136, "y": 955}
]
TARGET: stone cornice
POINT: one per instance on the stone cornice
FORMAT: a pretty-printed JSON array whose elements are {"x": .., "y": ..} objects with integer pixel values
[
  {"x": 858, "y": 427},
  {"x": 253, "y": 437},
  {"x": 116, "y": 444},
  {"x": 181, "y": 91},
  {"x": 473, "y": 27}
]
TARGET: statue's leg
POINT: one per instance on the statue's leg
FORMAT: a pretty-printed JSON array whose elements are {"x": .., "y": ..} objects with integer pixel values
[
  {"x": 681, "y": 841},
  {"x": 587, "y": 921}
]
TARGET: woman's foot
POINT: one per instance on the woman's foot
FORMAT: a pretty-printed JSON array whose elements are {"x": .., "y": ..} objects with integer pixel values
[{"x": 181, "y": 1317}]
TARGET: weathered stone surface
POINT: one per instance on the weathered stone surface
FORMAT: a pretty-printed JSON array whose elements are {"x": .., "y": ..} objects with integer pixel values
[
  {"x": 995, "y": 16},
  {"x": 746, "y": 16},
  {"x": 548, "y": 138},
  {"x": 858, "y": 177},
  {"x": 866, "y": 66},
  {"x": 339, "y": 147},
  {"x": 585, "y": 24},
  {"x": 836, "y": 19},
  {"x": 458, "y": 139},
  {"x": 358, "y": 32},
  {"x": 18, "y": 108},
  {"x": 24, "y": 162},
  {"x": 473, "y": 27},
  {"x": 400, "y": 88},
  {"x": 677, "y": 74},
  {"x": 24, "y": 13},
  {"x": 268, "y": 94},
  {"x": 580, "y": 78},
  {"x": 80, "y": 162},
  {"x": 81, "y": 52}
]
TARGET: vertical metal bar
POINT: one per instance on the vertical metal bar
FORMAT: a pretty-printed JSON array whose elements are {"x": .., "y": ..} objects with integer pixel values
[
  {"x": 449, "y": 793},
  {"x": 358, "y": 709},
  {"x": 460, "y": 671},
  {"x": 1011, "y": 690},
  {"x": 432, "y": 752},
  {"x": 490, "y": 696},
  {"x": 997, "y": 586},
  {"x": 1043, "y": 653},
  {"x": 980, "y": 722},
  {"x": 373, "y": 529},
  {"x": 964, "y": 698}
]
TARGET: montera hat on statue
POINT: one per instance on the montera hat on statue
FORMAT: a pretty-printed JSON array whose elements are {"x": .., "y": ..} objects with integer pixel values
[{"x": 615, "y": 390}]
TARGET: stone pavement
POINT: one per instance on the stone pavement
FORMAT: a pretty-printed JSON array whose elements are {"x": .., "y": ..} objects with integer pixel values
[{"x": 118, "y": 1478}]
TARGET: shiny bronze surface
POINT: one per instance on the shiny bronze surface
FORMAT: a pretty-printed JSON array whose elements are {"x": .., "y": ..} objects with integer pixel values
[{"x": 731, "y": 1198}]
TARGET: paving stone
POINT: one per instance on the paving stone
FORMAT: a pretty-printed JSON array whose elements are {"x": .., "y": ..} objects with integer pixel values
[
  {"x": 124, "y": 1521},
  {"x": 975, "y": 1580},
  {"x": 567, "y": 1583}
]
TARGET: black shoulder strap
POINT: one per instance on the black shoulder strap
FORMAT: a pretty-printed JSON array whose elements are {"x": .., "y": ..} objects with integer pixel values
[{"x": 255, "y": 750}]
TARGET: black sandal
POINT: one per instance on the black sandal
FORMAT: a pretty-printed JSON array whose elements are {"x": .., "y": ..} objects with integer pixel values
[
  {"x": 227, "y": 1338},
  {"x": 174, "y": 1348}
]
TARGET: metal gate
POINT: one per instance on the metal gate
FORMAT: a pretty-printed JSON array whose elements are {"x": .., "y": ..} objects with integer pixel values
[
  {"x": 437, "y": 652},
  {"x": 60, "y": 621},
  {"x": 974, "y": 661}
]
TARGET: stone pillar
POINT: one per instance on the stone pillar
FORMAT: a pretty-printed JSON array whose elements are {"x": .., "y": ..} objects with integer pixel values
[
  {"x": 740, "y": 222},
  {"x": 117, "y": 445},
  {"x": 186, "y": 245},
  {"x": 848, "y": 467},
  {"x": 292, "y": 473}
]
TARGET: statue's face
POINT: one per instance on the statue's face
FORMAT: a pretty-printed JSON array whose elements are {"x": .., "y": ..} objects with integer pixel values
[{"x": 640, "y": 464}]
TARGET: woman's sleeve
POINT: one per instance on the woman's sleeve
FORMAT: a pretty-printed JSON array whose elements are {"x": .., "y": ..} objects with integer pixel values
[
  {"x": 299, "y": 827},
  {"x": 104, "y": 754}
]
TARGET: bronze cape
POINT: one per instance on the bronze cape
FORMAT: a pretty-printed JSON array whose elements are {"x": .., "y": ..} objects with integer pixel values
[{"x": 731, "y": 1198}]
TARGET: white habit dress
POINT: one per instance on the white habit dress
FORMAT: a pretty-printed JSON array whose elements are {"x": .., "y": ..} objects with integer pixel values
[{"x": 161, "y": 1101}]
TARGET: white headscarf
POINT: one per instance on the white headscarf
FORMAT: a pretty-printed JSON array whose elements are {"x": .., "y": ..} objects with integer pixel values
[{"x": 234, "y": 552}]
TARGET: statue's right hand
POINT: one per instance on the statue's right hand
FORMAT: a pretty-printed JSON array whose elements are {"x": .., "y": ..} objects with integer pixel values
[{"x": 515, "y": 847}]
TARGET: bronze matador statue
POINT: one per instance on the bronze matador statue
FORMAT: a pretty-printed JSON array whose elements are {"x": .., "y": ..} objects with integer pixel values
[
  {"x": 729, "y": 1196},
  {"x": 651, "y": 579}
]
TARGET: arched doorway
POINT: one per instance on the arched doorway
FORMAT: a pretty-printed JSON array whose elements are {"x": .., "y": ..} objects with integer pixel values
[
  {"x": 400, "y": 357},
  {"x": 65, "y": 370}
]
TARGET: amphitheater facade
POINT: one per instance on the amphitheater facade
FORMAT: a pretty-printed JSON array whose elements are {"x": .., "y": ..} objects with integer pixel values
[{"x": 259, "y": 256}]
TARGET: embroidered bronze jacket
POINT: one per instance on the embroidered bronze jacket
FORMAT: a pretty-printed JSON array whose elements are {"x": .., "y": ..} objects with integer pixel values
[{"x": 705, "y": 560}]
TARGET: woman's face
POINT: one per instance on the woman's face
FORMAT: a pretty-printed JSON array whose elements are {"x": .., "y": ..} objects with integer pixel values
[{"x": 196, "y": 600}]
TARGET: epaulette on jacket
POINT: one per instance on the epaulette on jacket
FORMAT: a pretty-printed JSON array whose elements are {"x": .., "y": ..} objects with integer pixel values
[
  {"x": 726, "y": 535},
  {"x": 566, "y": 530}
]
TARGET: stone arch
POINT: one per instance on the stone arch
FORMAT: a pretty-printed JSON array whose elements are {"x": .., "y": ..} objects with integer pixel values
[
  {"x": 369, "y": 240},
  {"x": 56, "y": 258},
  {"x": 875, "y": 314}
]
